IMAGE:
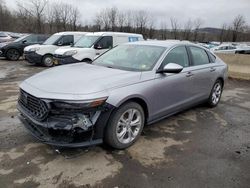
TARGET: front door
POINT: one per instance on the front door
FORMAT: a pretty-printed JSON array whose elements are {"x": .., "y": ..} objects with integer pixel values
[
  {"x": 104, "y": 44},
  {"x": 173, "y": 91}
]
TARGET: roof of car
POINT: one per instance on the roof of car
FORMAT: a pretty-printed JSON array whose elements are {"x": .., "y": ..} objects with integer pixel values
[
  {"x": 71, "y": 33},
  {"x": 163, "y": 43},
  {"x": 114, "y": 33}
]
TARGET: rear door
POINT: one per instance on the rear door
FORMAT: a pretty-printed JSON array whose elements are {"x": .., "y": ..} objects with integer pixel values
[{"x": 204, "y": 72}]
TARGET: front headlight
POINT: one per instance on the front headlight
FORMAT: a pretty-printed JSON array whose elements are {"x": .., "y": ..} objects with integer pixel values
[
  {"x": 79, "y": 104},
  {"x": 2, "y": 45},
  {"x": 34, "y": 49},
  {"x": 70, "y": 53}
]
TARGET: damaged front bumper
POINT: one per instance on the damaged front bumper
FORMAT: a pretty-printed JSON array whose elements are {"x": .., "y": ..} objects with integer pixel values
[
  {"x": 32, "y": 57},
  {"x": 64, "y": 60},
  {"x": 68, "y": 130}
]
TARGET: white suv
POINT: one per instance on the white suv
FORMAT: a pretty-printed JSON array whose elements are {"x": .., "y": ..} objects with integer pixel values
[
  {"x": 43, "y": 54},
  {"x": 92, "y": 45}
]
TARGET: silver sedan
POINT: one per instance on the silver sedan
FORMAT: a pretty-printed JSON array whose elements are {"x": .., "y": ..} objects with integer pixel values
[{"x": 113, "y": 98}]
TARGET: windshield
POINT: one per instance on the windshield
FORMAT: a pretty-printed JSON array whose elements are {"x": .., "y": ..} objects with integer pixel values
[
  {"x": 131, "y": 57},
  {"x": 86, "y": 41},
  {"x": 51, "y": 40},
  {"x": 20, "y": 39}
]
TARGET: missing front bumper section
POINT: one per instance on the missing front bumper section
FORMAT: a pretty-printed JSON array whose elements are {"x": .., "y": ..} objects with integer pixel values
[
  {"x": 60, "y": 138},
  {"x": 69, "y": 129}
]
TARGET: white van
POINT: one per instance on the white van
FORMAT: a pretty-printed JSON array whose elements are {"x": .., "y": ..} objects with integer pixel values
[
  {"x": 93, "y": 45},
  {"x": 43, "y": 54}
]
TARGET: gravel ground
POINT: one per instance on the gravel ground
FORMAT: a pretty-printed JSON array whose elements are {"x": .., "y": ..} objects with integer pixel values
[{"x": 201, "y": 147}]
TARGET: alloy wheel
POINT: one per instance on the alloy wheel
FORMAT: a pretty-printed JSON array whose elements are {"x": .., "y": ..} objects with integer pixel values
[
  {"x": 217, "y": 90},
  {"x": 128, "y": 126}
]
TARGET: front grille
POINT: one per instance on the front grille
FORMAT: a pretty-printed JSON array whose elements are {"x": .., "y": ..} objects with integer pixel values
[
  {"x": 58, "y": 56},
  {"x": 36, "y": 107}
]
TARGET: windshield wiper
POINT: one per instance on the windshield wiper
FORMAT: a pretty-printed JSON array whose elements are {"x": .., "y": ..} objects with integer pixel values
[{"x": 110, "y": 67}]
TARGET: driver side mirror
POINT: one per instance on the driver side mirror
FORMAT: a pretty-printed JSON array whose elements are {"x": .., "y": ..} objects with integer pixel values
[
  {"x": 24, "y": 41},
  {"x": 98, "y": 46},
  {"x": 170, "y": 68},
  {"x": 60, "y": 43}
]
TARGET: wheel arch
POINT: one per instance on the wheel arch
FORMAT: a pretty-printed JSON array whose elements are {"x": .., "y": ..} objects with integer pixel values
[
  {"x": 142, "y": 102},
  {"x": 86, "y": 59},
  {"x": 222, "y": 80}
]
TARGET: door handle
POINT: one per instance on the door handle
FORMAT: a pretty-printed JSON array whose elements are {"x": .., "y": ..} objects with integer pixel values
[
  {"x": 189, "y": 74},
  {"x": 212, "y": 69}
]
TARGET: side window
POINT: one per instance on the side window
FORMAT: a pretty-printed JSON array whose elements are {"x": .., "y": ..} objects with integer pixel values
[
  {"x": 31, "y": 39},
  {"x": 199, "y": 56},
  {"x": 41, "y": 38},
  {"x": 178, "y": 55},
  {"x": 66, "y": 40},
  {"x": 105, "y": 43},
  {"x": 211, "y": 57}
]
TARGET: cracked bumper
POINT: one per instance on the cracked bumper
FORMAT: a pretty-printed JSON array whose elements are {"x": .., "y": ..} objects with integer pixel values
[
  {"x": 58, "y": 60},
  {"x": 33, "y": 57},
  {"x": 65, "y": 138}
]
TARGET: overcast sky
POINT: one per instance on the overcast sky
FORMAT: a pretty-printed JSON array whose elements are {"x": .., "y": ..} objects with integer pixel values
[{"x": 213, "y": 12}]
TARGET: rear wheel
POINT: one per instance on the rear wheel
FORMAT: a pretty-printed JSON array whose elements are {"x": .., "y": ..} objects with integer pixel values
[
  {"x": 13, "y": 54},
  {"x": 125, "y": 126},
  {"x": 48, "y": 61},
  {"x": 215, "y": 95}
]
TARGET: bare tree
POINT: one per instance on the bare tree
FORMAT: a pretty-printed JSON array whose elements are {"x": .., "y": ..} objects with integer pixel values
[
  {"x": 121, "y": 21},
  {"x": 98, "y": 21},
  {"x": 197, "y": 24},
  {"x": 35, "y": 9},
  {"x": 112, "y": 14},
  {"x": 187, "y": 30},
  {"x": 237, "y": 27},
  {"x": 163, "y": 30},
  {"x": 141, "y": 21},
  {"x": 223, "y": 32},
  {"x": 175, "y": 27},
  {"x": 74, "y": 18},
  {"x": 128, "y": 21}
]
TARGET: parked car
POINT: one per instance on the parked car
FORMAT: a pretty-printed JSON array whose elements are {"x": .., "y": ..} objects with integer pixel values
[
  {"x": 231, "y": 49},
  {"x": 92, "y": 45},
  {"x": 14, "y": 50},
  {"x": 4, "y": 37},
  {"x": 113, "y": 98},
  {"x": 43, "y": 54}
]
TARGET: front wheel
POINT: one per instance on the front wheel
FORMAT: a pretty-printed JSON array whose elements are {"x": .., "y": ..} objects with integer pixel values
[
  {"x": 215, "y": 95},
  {"x": 125, "y": 126},
  {"x": 13, "y": 54},
  {"x": 48, "y": 61}
]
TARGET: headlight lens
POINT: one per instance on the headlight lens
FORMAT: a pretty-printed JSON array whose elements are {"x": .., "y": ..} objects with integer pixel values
[
  {"x": 70, "y": 53},
  {"x": 2, "y": 45},
  {"x": 79, "y": 104},
  {"x": 34, "y": 49}
]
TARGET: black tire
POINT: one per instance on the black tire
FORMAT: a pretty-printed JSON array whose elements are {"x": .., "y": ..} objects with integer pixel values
[
  {"x": 213, "y": 101},
  {"x": 13, "y": 54},
  {"x": 89, "y": 61},
  {"x": 47, "y": 60},
  {"x": 111, "y": 130}
]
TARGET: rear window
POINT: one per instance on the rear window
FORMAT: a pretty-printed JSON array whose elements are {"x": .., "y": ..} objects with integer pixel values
[{"x": 199, "y": 56}]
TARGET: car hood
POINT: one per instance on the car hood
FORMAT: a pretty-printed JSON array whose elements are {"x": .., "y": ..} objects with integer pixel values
[
  {"x": 27, "y": 48},
  {"x": 3, "y": 44},
  {"x": 78, "y": 80},
  {"x": 61, "y": 51}
]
